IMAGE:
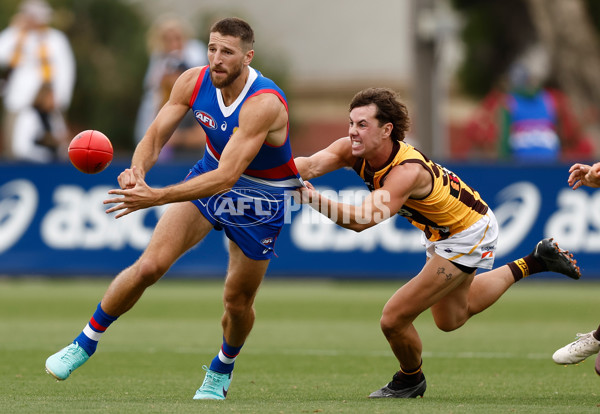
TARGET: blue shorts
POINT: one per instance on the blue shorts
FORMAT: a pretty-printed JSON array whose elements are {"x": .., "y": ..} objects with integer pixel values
[{"x": 252, "y": 217}]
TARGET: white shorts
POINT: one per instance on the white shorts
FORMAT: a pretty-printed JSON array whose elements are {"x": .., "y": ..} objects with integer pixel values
[{"x": 473, "y": 247}]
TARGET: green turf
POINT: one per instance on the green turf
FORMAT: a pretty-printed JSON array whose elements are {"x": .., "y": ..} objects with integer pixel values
[{"x": 316, "y": 348}]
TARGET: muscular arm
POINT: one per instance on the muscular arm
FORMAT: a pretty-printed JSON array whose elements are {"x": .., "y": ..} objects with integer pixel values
[
  {"x": 335, "y": 156},
  {"x": 402, "y": 182},
  {"x": 168, "y": 118},
  {"x": 261, "y": 117}
]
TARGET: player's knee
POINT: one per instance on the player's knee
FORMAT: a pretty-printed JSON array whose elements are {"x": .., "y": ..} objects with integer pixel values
[
  {"x": 149, "y": 271},
  {"x": 449, "y": 325},
  {"x": 238, "y": 305},
  {"x": 391, "y": 324},
  {"x": 386, "y": 327}
]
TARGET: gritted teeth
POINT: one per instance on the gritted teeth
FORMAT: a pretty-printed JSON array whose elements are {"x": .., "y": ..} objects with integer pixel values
[{"x": 356, "y": 143}]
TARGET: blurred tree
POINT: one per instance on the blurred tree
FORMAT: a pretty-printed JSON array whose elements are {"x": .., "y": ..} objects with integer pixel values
[
  {"x": 497, "y": 31},
  {"x": 108, "y": 40},
  {"x": 568, "y": 33},
  {"x": 108, "y": 37}
]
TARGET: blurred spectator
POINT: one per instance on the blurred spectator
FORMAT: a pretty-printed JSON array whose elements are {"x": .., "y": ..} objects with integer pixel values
[
  {"x": 172, "y": 50},
  {"x": 39, "y": 70},
  {"x": 528, "y": 122}
]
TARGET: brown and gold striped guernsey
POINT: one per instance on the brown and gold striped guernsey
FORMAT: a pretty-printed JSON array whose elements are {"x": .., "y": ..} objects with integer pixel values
[{"x": 451, "y": 207}]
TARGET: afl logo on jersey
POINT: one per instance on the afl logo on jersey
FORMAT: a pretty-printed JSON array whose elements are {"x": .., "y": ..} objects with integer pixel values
[{"x": 205, "y": 119}]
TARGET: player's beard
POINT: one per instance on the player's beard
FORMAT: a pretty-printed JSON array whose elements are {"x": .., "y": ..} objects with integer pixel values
[{"x": 229, "y": 79}]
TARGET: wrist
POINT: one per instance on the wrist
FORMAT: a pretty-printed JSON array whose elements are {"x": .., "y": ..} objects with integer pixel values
[{"x": 162, "y": 196}]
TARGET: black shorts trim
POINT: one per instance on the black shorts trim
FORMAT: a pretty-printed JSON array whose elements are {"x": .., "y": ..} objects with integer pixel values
[{"x": 464, "y": 268}]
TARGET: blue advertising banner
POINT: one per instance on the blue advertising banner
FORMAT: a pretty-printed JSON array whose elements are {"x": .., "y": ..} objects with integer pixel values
[{"x": 53, "y": 222}]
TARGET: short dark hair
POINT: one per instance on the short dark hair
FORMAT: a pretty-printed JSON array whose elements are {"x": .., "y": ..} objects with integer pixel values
[
  {"x": 389, "y": 109},
  {"x": 236, "y": 27}
]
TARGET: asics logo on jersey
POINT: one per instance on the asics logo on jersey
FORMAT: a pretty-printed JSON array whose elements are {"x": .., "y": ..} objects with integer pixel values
[{"x": 205, "y": 119}]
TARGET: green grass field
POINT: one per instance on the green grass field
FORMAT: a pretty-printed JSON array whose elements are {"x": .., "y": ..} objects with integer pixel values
[{"x": 316, "y": 348}]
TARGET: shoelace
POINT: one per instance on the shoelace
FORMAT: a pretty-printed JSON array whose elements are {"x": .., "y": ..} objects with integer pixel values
[
  {"x": 213, "y": 382},
  {"x": 71, "y": 355},
  {"x": 583, "y": 339}
]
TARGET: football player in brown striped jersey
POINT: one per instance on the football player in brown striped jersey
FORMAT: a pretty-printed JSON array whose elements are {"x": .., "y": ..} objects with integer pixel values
[{"x": 459, "y": 230}]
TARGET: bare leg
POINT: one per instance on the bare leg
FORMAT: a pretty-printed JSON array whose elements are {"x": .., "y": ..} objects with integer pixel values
[
  {"x": 244, "y": 277},
  {"x": 487, "y": 288},
  {"x": 180, "y": 228},
  {"x": 474, "y": 295},
  {"x": 453, "y": 296},
  {"x": 436, "y": 280}
]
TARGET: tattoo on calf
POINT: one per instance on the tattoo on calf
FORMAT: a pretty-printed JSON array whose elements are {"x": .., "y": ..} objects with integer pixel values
[{"x": 442, "y": 271}]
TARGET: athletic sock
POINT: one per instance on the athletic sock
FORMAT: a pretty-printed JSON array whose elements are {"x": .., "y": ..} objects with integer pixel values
[
  {"x": 406, "y": 378},
  {"x": 225, "y": 359},
  {"x": 89, "y": 337},
  {"x": 526, "y": 266},
  {"x": 596, "y": 335}
]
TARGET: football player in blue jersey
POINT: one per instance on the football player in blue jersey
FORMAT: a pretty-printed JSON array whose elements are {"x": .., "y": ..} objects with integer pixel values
[{"x": 247, "y": 163}]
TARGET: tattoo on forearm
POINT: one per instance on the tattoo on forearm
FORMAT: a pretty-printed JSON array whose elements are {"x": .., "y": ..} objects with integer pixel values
[{"x": 442, "y": 271}]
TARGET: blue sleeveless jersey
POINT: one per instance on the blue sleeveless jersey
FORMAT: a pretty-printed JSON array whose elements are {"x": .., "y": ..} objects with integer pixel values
[
  {"x": 252, "y": 213},
  {"x": 273, "y": 168},
  {"x": 533, "y": 134}
]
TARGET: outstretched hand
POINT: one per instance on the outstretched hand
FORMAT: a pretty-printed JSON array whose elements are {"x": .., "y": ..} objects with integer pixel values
[
  {"x": 134, "y": 194},
  {"x": 582, "y": 174}
]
